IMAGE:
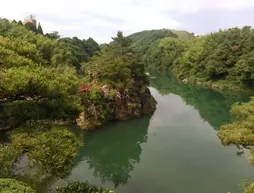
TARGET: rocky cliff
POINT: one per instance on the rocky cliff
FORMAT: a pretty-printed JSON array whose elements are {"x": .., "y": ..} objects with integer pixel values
[{"x": 116, "y": 104}]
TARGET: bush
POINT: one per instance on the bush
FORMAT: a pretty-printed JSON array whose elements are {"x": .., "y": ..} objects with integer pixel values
[
  {"x": 84, "y": 187},
  {"x": 50, "y": 152},
  {"x": 249, "y": 189},
  {"x": 53, "y": 152},
  {"x": 14, "y": 186},
  {"x": 240, "y": 132}
]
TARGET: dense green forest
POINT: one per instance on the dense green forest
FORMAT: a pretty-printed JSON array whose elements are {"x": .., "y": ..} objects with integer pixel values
[
  {"x": 35, "y": 70},
  {"x": 49, "y": 80},
  {"x": 39, "y": 86},
  {"x": 224, "y": 57},
  {"x": 142, "y": 41}
]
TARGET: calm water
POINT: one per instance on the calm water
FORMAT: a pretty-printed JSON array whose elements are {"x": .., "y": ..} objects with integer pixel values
[{"x": 174, "y": 151}]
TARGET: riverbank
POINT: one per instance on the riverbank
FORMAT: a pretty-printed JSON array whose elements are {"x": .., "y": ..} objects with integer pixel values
[
  {"x": 182, "y": 131},
  {"x": 221, "y": 85}
]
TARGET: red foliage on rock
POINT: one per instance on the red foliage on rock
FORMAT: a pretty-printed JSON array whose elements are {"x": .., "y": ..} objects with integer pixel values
[
  {"x": 235, "y": 48},
  {"x": 85, "y": 88}
]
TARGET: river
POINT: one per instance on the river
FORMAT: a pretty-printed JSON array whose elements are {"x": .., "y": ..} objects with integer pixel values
[{"x": 176, "y": 150}]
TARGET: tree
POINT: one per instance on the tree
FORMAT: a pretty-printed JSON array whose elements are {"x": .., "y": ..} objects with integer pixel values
[
  {"x": 39, "y": 30},
  {"x": 118, "y": 64},
  {"x": 249, "y": 188},
  {"x": 30, "y": 95},
  {"x": 121, "y": 40},
  {"x": 12, "y": 185},
  {"x": 42, "y": 69},
  {"x": 20, "y": 22},
  {"x": 141, "y": 41},
  {"x": 64, "y": 52},
  {"x": 164, "y": 53},
  {"x": 30, "y": 26},
  {"x": 53, "y": 35},
  {"x": 91, "y": 46},
  {"x": 240, "y": 132},
  {"x": 49, "y": 156}
]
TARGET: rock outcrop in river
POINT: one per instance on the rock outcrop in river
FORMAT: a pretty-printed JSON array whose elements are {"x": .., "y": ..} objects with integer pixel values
[{"x": 122, "y": 105}]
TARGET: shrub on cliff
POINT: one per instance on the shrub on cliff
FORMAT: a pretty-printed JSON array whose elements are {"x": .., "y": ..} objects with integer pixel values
[{"x": 13, "y": 186}]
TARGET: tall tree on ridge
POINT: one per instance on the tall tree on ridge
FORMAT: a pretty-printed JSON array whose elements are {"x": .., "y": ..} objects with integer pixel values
[
  {"x": 39, "y": 30},
  {"x": 20, "y": 22},
  {"x": 30, "y": 26}
]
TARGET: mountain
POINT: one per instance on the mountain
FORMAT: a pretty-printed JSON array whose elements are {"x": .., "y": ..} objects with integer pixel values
[{"x": 141, "y": 41}]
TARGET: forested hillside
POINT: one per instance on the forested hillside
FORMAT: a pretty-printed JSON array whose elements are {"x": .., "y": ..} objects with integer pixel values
[
  {"x": 141, "y": 41},
  {"x": 225, "y": 57},
  {"x": 38, "y": 88},
  {"x": 46, "y": 81},
  {"x": 181, "y": 34},
  {"x": 35, "y": 70}
]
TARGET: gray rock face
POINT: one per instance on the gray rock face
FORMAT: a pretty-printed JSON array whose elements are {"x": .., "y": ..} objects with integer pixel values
[{"x": 122, "y": 106}]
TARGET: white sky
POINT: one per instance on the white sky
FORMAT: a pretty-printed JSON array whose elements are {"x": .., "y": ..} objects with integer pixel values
[{"x": 101, "y": 19}]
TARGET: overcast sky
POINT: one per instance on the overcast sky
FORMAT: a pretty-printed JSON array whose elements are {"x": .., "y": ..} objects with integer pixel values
[{"x": 101, "y": 19}]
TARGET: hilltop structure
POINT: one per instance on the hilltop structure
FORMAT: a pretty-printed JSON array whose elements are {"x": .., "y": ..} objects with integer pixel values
[{"x": 30, "y": 19}]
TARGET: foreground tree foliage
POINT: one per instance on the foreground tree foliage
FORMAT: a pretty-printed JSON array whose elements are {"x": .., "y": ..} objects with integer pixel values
[
  {"x": 240, "y": 132},
  {"x": 14, "y": 186},
  {"x": 249, "y": 188},
  {"x": 54, "y": 50},
  {"x": 50, "y": 157},
  {"x": 47, "y": 80},
  {"x": 81, "y": 187},
  {"x": 8, "y": 185},
  {"x": 39, "y": 85},
  {"x": 30, "y": 94},
  {"x": 35, "y": 71}
]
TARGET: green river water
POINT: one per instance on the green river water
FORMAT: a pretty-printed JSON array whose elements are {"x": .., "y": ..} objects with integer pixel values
[{"x": 174, "y": 151}]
